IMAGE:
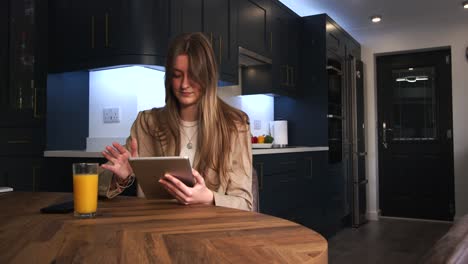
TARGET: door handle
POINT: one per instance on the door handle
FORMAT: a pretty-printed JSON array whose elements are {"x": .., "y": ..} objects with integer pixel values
[{"x": 384, "y": 134}]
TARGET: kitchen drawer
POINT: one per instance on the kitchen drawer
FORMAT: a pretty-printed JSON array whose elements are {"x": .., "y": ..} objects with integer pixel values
[
  {"x": 21, "y": 141},
  {"x": 276, "y": 164}
]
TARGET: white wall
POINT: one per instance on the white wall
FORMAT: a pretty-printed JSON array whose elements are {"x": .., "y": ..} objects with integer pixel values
[
  {"x": 413, "y": 38},
  {"x": 133, "y": 89},
  {"x": 259, "y": 108}
]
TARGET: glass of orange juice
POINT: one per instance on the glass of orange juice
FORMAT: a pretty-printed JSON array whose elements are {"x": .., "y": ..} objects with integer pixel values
[{"x": 85, "y": 189}]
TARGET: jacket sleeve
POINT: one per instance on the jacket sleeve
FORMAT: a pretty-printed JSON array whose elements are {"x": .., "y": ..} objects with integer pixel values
[
  {"x": 108, "y": 186},
  {"x": 238, "y": 193}
]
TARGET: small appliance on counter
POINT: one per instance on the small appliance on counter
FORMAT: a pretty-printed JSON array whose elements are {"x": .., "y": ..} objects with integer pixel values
[{"x": 279, "y": 132}]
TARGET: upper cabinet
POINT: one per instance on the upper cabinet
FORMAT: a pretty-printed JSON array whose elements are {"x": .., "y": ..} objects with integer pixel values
[
  {"x": 23, "y": 63},
  {"x": 87, "y": 34},
  {"x": 271, "y": 29},
  {"x": 254, "y": 32},
  {"x": 285, "y": 51},
  {"x": 217, "y": 19}
]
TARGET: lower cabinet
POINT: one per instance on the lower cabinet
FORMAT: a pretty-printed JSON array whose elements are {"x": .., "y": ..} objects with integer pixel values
[
  {"x": 58, "y": 175},
  {"x": 297, "y": 187},
  {"x": 22, "y": 173}
]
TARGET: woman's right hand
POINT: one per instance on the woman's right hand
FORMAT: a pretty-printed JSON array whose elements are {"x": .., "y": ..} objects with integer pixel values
[{"x": 118, "y": 156}]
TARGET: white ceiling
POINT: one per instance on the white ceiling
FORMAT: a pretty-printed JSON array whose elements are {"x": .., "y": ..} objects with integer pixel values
[{"x": 353, "y": 15}]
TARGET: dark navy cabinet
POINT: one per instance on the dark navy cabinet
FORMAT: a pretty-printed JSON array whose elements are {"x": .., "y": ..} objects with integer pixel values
[
  {"x": 58, "y": 176},
  {"x": 23, "y": 69},
  {"x": 319, "y": 115},
  {"x": 254, "y": 31},
  {"x": 285, "y": 39},
  {"x": 277, "y": 38},
  {"x": 88, "y": 34},
  {"x": 296, "y": 186},
  {"x": 218, "y": 20}
]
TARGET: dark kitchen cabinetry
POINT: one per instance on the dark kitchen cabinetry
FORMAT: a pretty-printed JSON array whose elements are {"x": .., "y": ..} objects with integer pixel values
[
  {"x": 279, "y": 180},
  {"x": 22, "y": 173},
  {"x": 280, "y": 75},
  {"x": 326, "y": 82},
  {"x": 254, "y": 32},
  {"x": 285, "y": 39},
  {"x": 335, "y": 38},
  {"x": 22, "y": 86},
  {"x": 88, "y": 34},
  {"x": 58, "y": 176},
  {"x": 296, "y": 186},
  {"x": 186, "y": 16},
  {"x": 218, "y": 20}
]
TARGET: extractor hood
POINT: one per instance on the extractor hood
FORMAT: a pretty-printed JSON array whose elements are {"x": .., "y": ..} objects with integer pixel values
[{"x": 250, "y": 58}]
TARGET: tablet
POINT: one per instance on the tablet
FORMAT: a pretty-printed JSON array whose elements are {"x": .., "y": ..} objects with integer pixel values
[{"x": 148, "y": 171}]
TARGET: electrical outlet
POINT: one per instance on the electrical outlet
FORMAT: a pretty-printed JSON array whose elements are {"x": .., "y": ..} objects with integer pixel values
[
  {"x": 257, "y": 124},
  {"x": 111, "y": 115}
]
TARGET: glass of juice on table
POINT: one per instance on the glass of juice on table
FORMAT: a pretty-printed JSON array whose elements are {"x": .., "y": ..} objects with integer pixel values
[{"x": 85, "y": 189}]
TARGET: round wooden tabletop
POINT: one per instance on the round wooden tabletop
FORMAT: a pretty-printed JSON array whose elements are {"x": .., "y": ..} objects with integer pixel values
[{"x": 134, "y": 230}]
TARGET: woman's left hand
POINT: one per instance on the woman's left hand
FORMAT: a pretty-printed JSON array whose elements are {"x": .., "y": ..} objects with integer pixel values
[{"x": 198, "y": 194}]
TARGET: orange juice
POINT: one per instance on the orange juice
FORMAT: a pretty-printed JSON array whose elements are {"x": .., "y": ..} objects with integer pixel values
[{"x": 85, "y": 192}]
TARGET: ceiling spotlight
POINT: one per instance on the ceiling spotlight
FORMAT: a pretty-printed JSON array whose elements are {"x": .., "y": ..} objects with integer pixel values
[
  {"x": 376, "y": 19},
  {"x": 465, "y": 4}
]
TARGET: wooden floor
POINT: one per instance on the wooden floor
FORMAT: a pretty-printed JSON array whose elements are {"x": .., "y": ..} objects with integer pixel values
[{"x": 385, "y": 241}]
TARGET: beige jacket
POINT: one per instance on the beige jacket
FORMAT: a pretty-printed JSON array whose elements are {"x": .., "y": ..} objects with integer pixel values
[{"x": 154, "y": 140}]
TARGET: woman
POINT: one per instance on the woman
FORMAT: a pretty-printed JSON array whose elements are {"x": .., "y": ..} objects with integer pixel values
[{"x": 194, "y": 123}]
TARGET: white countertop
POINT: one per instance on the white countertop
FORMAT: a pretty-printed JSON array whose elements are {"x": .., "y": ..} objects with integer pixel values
[{"x": 86, "y": 154}]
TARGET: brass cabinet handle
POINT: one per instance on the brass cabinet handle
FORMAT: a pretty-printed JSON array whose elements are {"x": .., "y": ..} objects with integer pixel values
[
  {"x": 220, "y": 50},
  {"x": 35, "y": 115},
  {"x": 288, "y": 162},
  {"x": 310, "y": 174},
  {"x": 284, "y": 82},
  {"x": 271, "y": 40},
  {"x": 20, "y": 141},
  {"x": 34, "y": 179},
  {"x": 107, "y": 29},
  {"x": 92, "y": 32},
  {"x": 260, "y": 179},
  {"x": 292, "y": 76}
]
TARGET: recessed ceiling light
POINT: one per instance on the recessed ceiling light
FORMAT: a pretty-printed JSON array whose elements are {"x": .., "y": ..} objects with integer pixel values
[
  {"x": 376, "y": 19},
  {"x": 465, "y": 4}
]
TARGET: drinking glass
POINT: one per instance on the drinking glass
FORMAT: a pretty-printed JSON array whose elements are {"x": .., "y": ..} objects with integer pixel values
[{"x": 85, "y": 189}]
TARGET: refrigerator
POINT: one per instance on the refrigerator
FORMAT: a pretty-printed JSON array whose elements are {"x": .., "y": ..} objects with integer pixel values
[{"x": 358, "y": 178}]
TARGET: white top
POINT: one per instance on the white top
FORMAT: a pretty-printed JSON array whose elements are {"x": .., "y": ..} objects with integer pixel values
[{"x": 188, "y": 139}]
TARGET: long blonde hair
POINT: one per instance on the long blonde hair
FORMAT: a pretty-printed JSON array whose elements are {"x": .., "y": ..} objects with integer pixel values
[{"x": 219, "y": 123}]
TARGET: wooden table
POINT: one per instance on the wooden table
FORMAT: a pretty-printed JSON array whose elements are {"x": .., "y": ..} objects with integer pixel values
[{"x": 134, "y": 230}]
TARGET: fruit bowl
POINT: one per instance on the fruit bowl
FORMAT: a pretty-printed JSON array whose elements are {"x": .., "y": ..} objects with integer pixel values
[{"x": 261, "y": 145}]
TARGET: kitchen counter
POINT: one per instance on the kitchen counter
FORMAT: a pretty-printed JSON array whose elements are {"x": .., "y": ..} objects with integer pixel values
[{"x": 86, "y": 154}]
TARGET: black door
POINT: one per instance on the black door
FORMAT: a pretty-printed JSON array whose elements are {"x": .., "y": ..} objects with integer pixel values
[{"x": 415, "y": 135}]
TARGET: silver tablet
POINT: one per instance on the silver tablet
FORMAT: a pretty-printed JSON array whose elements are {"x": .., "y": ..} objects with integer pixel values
[{"x": 148, "y": 171}]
